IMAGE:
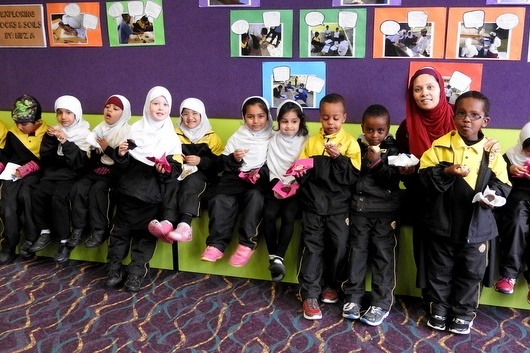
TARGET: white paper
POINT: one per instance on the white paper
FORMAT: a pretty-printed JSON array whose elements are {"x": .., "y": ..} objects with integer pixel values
[
  {"x": 9, "y": 171},
  {"x": 403, "y": 160},
  {"x": 187, "y": 170},
  {"x": 498, "y": 201}
]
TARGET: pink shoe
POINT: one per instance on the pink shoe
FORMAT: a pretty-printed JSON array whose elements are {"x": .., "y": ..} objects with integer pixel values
[
  {"x": 211, "y": 254},
  {"x": 161, "y": 229},
  {"x": 241, "y": 256},
  {"x": 181, "y": 234}
]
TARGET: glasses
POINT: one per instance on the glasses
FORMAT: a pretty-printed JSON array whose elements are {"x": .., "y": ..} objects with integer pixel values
[{"x": 472, "y": 116}]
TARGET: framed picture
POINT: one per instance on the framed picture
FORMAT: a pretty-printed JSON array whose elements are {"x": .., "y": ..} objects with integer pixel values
[
  {"x": 229, "y": 3},
  {"x": 74, "y": 24},
  {"x": 333, "y": 33}
]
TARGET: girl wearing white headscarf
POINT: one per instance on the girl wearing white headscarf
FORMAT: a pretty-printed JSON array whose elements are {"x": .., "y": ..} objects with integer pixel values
[
  {"x": 91, "y": 194},
  {"x": 150, "y": 161},
  {"x": 514, "y": 231},
  {"x": 241, "y": 186},
  {"x": 284, "y": 149},
  {"x": 63, "y": 156},
  {"x": 201, "y": 148}
]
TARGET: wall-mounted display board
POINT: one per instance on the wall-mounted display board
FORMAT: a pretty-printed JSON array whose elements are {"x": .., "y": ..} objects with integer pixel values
[{"x": 195, "y": 59}]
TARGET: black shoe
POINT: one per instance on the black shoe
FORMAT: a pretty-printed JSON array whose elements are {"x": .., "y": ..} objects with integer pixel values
[
  {"x": 96, "y": 239},
  {"x": 75, "y": 237},
  {"x": 25, "y": 249},
  {"x": 113, "y": 279},
  {"x": 6, "y": 257},
  {"x": 63, "y": 254},
  {"x": 133, "y": 283},
  {"x": 277, "y": 269},
  {"x": 43, "y": 241}
]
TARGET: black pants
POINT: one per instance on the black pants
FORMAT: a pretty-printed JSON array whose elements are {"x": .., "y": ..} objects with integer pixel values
[
  {"x": 223, "y": 211},
  {"x": 286, "y": 209},
  {"x": 373, "y": 240},
  {"x": 515, "y": 239},
  {"x": 16, "y": 201},
  {"x": 456, "y": 271},
  {"x": 141, "y": 243},
  {"x": 323, "y": 260},
  {"x": 51, "y": 207},
  {"x": 91, "y": 202},
  {"x": 190, "y": 192}
]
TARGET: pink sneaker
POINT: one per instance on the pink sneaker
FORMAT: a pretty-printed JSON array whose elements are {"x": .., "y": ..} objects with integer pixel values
[
  {"x": 211, "y": 254},
  {"x": 505, "y": 285},
  {"x": 161, "y": 229},
  {"x": 181, "y": 234},
  {"x": 241, "y": 256}
]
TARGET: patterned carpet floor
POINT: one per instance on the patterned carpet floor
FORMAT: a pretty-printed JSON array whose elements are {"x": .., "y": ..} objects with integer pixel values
[{"x": 45, "y": 307}]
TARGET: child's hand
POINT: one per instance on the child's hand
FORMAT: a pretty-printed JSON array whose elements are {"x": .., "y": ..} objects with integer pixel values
[
  {"x": 460, "y": 170},
  {"x": 518, "y": 171},
  {"x": 51, "y": 131},
  {"x": 192, "y": 159},
  {"x": 239, "y": 154},
  {"x": 123, "y": 148},
  {"x": 102, "y": 142},
  {"x": 160, "y": 168},
  {"x": 373, "y": 153},
  {"x": 61, "y": 136},
  {"x": 492, "y": 145},
  {"x": 407, "y": 170},
  {"x": 332, "y": 149}
]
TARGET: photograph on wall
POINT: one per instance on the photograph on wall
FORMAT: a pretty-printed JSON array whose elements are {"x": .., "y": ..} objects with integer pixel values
[
  {"x": 409, "y": 33},
  {"x": 508, "y": 2},
  {"x": 135, "y": 23},
  {"x": 231, "y": 3},
  {"x": 74, "y": 24},
  {"x": 366, "y": 2},
  {"x": 257, "y": 33},
  {"x": 24, "y": 27},
  {"x": 304, "y": 82},
  {"x": 493, "y": 33},
  {"x": 333, "y": 33},
  {"x": 458, "y": 77}
]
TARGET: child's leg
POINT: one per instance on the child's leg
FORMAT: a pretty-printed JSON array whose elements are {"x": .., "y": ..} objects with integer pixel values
[
  {"x": 143, "y": 247},
  {"x": 384, "y": 263},
  {"x": 471, "y": 263},
  {"x": 79, "y": 195},
  {"x": 288, "y": 214},
  {"x": 120, "y": 240},
  {"x": 222, "y": 212},
  {"x": 11, "y": 233},
  {"x": 312, "y": 261},
  {"x": 354, "y": 287},
  {"x": 99, "y": 204},
  {"x": 513, "y": 232},
  {"x": 440, "y": 274},
  {"x": 25, "y": 200},
  {"x": 271, "y": 209},
  {"x": 169, "y": 204},
  {"x": 251, "y": 216},
  {"x": 61, "y": 210},
  {"x": 190, "y": 192},
  {"x": 337, "y": 236}
]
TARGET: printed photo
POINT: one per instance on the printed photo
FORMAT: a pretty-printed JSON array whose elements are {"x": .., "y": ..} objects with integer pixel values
[
  {"x": 74, "y": 24},
  {"x": 410, "y": 42}
]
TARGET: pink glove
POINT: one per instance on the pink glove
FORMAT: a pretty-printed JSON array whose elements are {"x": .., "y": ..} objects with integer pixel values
[
  {"x": 161, "y": 161},
  {"x": 27, "y": 168},
  {"x": 2, "y": 167},
  {"x": 102, "y": 170}
]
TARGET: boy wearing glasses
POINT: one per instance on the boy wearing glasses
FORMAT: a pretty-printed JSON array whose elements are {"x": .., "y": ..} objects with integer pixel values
[{"x": 454, "y": 170}]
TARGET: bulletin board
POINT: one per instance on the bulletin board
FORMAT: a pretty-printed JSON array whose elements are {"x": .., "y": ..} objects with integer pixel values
[{"x": 196, "y": 61}]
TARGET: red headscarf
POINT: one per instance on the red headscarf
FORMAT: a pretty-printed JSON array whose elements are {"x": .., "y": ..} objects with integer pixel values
[{"x": 425, "y": 126}]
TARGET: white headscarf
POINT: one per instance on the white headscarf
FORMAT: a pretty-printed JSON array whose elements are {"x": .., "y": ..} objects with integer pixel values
[
  {"x": 154, "y": 138},
  {"x": 284, "y": 150},
  {"x": 115, "y": 133},
  {"x": 515, "y": 154},
  {"x": 256, "y": 142},
  {"x": 79, "y": 130},
  {"x": 204, "y": 126}
]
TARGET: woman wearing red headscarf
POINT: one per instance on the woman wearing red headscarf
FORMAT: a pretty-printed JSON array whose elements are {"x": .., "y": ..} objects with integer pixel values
[{"x": 428, "y": 117}]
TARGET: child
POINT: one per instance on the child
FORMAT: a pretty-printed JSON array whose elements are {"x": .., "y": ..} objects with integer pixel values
[
  {"x": 285, "y": 147},
  {"x": 63, "y": 155},
  {"x": 201, "y": 148},
  {"x": 22, "y": 147},
  {"x": 514, "y": 215},
  {"x": 149, "y": 159},
  {"x": 374, "y": 207},
  {"x": 90, "y": 196},
  {"x": 453, "y": 171},
  {"x": 241, "y": 185},
  {"x": 325, "y": 196}
]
